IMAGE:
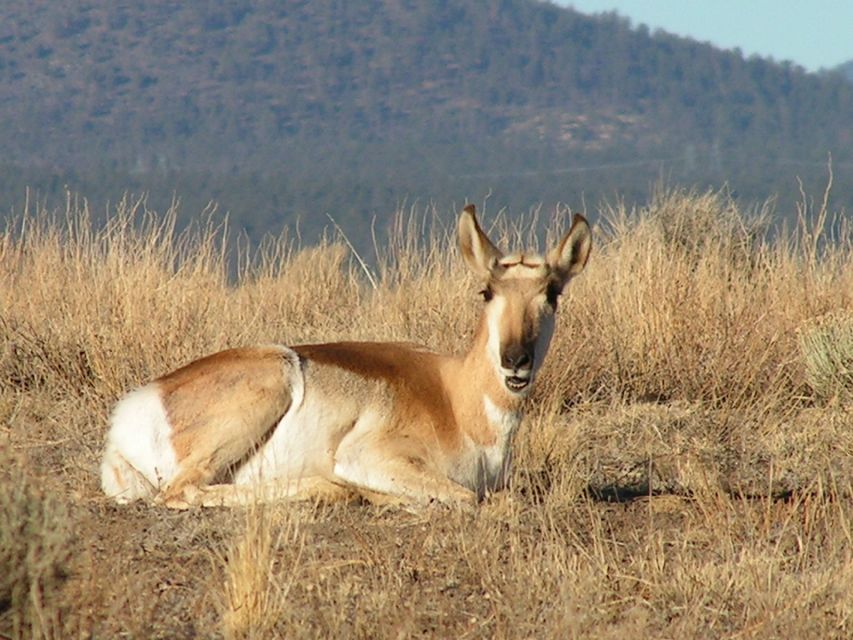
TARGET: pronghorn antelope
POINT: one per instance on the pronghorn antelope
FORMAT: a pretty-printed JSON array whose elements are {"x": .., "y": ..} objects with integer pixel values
[{"x": 387, "y": 421}]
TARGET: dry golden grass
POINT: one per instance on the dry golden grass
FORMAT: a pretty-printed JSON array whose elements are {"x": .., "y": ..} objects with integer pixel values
[
  {"x": 256, "y": 589},
  {"x": 684, "y": 470}
]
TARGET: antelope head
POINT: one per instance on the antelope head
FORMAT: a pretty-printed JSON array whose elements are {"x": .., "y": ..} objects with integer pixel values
[{"x": 521, "y": 293}]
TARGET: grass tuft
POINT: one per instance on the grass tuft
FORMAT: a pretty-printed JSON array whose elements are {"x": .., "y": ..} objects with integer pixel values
[
  {"x": 255, "y": 593},
  {"x": 34, "y": 555}
]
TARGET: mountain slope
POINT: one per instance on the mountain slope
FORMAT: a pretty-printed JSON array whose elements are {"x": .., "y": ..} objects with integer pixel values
[
  {"x": 846, "y": 69},
  {"x": 359, "y": 105}
]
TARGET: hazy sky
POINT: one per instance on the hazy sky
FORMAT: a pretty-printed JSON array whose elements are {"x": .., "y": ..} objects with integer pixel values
[{"x": 811, "y": 33}]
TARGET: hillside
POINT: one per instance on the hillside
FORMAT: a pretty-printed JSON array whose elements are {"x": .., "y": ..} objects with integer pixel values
[
  {"x": 846, "y": 69},
  {"x": 284, "y": 109}
]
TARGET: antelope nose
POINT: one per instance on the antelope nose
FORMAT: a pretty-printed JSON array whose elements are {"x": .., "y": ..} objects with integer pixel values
[{"x": 516, "y": 358}]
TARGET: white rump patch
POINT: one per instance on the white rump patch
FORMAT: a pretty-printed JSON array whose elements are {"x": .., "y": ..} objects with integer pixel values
[{"x": 139, "y": 456}]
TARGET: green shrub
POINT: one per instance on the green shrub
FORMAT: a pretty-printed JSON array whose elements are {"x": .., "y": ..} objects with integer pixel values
[{"x": 827, "y": 351}]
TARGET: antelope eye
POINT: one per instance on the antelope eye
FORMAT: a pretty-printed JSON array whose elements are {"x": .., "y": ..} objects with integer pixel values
[{"x": 487, "y": 294}]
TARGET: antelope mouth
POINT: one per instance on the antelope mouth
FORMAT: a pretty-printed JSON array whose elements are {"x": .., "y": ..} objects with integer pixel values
[{"x": 516, "y": 383}]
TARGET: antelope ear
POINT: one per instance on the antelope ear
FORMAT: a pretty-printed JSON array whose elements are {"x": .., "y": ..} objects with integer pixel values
[
  {"x": 479, "y": 252},
  {"x": 569, "y": 257}
]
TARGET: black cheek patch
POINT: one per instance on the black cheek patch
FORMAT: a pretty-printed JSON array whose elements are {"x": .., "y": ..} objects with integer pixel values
[{"x": 552, "y": 293}]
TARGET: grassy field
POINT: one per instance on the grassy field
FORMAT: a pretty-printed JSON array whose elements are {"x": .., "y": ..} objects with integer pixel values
[{"x": 684, "y": 470}]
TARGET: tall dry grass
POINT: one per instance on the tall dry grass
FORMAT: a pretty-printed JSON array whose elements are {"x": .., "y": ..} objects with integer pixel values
[
  {"x": 699, "y": 364},
  {"x": 688, "y": 300},
  {"x": 683, "y": 300}
]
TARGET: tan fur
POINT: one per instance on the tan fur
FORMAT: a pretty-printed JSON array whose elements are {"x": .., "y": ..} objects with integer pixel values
[
  {"x": 220, "y": 407},
  {"x": 389, "y": 421},
  {"x": 411, "y": 374}
]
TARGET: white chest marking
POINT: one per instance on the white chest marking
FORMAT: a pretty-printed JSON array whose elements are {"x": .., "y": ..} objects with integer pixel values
[
  {"x": 504, "y": 422},
  {"x": 493, "y": 462}
]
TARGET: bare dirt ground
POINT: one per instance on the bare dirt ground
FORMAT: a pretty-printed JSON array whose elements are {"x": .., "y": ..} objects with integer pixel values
[{"x": 612, "y": 531}]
